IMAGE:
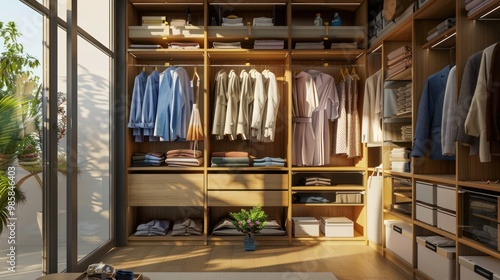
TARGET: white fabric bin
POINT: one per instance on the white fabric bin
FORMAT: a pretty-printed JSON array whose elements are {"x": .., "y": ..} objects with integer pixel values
[
  {"x": 447, "y": 220},
  {"x": 426, "y": 213},
  {"x": 446, "y": 197},
  {"x": 305, "y": 226},
  {"x": 479, "y": 267},
  {"x": 337, "y": 227},
  {"x": 425, "y": 192},
  {"x": 398, "y": 239},
  {"x": 435, "y": 262}
]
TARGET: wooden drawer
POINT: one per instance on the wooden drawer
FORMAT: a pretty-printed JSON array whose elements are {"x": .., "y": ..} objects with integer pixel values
[
  {"x": 165, "y": 190},
  {"x": 247, "y": 181},
  {"x": 247, "y": 198}
]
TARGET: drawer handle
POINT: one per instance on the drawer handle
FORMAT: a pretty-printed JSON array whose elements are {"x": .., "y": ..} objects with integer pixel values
[
  {"x": 430, "y": 246},
  {"x": 397, "y": 229},
  {"x": 483, "y": 272}
]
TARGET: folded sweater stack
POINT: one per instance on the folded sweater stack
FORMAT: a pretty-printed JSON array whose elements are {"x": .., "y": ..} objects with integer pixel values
[
  {"x": 187, "y": 227},
  {"x": 184, "y": 157},
  {"x": 148, "y": 159},
  {"x": 399, "y": 60},
  {"x": 153, "y": 228}
]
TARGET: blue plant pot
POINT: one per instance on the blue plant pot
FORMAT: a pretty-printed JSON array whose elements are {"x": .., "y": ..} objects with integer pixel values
[{"x": 249, "y": 243}]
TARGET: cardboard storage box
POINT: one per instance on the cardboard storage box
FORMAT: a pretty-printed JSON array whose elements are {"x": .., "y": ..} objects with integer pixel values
[
  {"x": 446, "y": 197},
  {"x": 305, "y": 226},
  {"x": 398, "y": 239},
  {"x": 425, "y": 192},
  {"x": 426, "y": 213},
  {"x": 337, "y": 227},
  {"x": 479, "y": 267},
  {"x": 435, "y": 262},
  {"x": 447, "y": 220}
]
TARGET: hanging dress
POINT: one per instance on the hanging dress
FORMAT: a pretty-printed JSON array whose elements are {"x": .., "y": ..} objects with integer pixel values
[
  {"x": 327, "y": 110},
  {"x": 341, "y": 123},
  {"x": 305, "y": 101},
  {"x": 353, "y": 129}
]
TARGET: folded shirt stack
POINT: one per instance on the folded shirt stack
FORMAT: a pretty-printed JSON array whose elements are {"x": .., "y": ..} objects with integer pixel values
[
  {"x": 316, "y": 181},
  {"x": 399, "y": 60},
  {"x": 269, "y": 44},
  {"x": 268, "y": 161},
  {"x": 232, "y": 21},
  {"x": 263, "y": 21},
  {"x": 473, "y": 6},
  {"x": 440, "y": 28},
  {"x": 230, "y": 159},
  {"x": 406, "y": 132},
  {"x": 310, "y": 45},
  {"x": 183, "y": 45},
  {"x": 187, "y": 227},
  {"x": 227, "y": 45},
  {"x": 148, "y": 159},
  {"x": 153, "y": 228},
  {"x": 403, "y": 99},
  {"x": 184, "y": 158},
  {"x": 400, "y": 159}
]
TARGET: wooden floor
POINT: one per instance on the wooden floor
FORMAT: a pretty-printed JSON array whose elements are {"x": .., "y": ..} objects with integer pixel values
[{"x": 347, "y": 262}]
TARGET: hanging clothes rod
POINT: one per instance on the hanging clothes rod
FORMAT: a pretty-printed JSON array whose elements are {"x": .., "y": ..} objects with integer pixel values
[
  {"x": 326, "y": 65},
  {"x": 248, "y": 64},
  {"x": 166, "y": 65}
]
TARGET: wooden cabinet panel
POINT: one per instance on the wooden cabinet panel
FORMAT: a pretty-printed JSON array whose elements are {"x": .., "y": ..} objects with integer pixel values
[
  {"x": 247, "y": 198},
  {"x": 165, "y": 190},
  {"x": 247, "y": 181}
]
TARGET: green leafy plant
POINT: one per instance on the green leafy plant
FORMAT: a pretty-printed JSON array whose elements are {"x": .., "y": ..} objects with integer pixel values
[{"x": 249, "y": 221}]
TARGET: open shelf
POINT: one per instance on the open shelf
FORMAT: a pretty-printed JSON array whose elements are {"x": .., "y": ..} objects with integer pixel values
[
  {"x": 446, "y": 40},
  {"x": 490, "y": 11}
]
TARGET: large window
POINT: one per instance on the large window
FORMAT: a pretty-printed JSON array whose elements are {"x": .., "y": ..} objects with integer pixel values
[{"x": 90, "y": 84}]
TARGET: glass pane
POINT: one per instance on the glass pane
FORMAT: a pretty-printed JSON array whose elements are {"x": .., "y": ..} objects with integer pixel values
[
  {"x": 21, "y": 157},
  {"x": 93, "y": 147},
  {"x": 61, "y": 9},
  {"x": 94, "y": 17},
  {"x": 61, "y": 147}
]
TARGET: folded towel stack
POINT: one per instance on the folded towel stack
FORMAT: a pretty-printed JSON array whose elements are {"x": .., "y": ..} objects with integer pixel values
[
  {"x": 310, "y": 45},
  {"x": 184, "y": 158},
  {"x": 232, "y": 21},
  {"x": 400, "y": 159},
  {"x": 268, "y": 161},
  {"x": 440, "y": 28},
  {"x": 399, "y": 60},
  {"x": 148, "y": 159},
  {"x": 227, "y": 45},
  {"x": 263, "y": 21},
  {"x": 269, "y": 44}
]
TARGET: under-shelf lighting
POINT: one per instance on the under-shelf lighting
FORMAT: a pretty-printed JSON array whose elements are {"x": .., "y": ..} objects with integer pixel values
[
  {"x": 485, "y": 15},
  {"x": 376, "y": 49},
  {"x": 444, "y": 39}
]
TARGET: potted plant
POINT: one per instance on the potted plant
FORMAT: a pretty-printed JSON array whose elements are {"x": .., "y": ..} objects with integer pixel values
[{"x": 249, "y": 222}]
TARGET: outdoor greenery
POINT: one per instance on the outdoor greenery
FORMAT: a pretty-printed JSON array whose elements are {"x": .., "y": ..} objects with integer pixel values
[
  {"x": 19, "y": 99},
  {"x": 249, "y": 221}
]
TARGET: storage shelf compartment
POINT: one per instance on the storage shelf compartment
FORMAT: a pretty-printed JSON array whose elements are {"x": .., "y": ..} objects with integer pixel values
[
  {"x": 398, "y": 30},
  {"x": 254, "y": 32},
  {"x": 174, "y": 54},
  {"x": 436, "y": 9},
  {"x": 400, "y": 215},
  {"x": 434, "y": 229},
  {"x": 326, "y": 55},
  {"x": 336, "y": 33},
  {"x": 448, "y": 179},
  {"x": 490, "y": 11},
  {"x": 329, "y": 188},
  {"x": 446, "y": 40},
  {"x": 246, "y": 54}
]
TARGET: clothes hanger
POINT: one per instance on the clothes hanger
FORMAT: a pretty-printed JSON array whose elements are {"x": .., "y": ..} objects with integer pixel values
[
  {"x": 195, "y": 74},
  {"x": 353, "y": 73},
  {"x": 341, "y": 74}
]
